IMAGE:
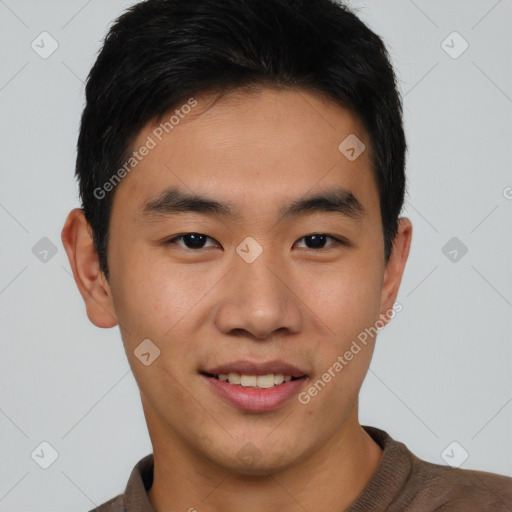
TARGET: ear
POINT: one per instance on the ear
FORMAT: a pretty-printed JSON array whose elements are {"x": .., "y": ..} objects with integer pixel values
[
  {"x": 395, "y": 268},
  {"x": 77, "y": 240}
]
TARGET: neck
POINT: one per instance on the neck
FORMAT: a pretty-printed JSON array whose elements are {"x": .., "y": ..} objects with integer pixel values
[{"x": 330, "y": 479}]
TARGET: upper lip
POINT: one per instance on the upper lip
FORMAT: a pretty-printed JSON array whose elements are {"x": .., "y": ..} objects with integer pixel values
[{"x": 244, "y": 367}]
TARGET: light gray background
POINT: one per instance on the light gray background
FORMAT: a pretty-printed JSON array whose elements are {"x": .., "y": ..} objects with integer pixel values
[{"x": 442, "y": 368}]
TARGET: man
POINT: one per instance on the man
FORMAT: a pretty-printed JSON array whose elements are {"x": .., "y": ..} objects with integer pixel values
[{"x": 241, "y": 167}]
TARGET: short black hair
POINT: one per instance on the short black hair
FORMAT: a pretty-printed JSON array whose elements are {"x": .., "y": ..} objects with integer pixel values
[{"x": 158, "y": 53}]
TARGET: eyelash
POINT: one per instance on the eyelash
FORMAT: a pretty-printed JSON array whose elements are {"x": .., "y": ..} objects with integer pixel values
[{"x": 337, "y": 240}]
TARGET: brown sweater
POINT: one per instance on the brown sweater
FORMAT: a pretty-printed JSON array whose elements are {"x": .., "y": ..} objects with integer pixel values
[{"x": 402, "y": 482}]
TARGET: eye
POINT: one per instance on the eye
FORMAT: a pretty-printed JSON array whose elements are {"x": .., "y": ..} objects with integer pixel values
[
  {"x": 317, "y": 241},
  {"x": 191, "y": 240},
  {"x": 198, "y": 241}
]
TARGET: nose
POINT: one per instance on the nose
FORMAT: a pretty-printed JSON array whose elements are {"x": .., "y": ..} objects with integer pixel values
[{"x": 259, "y": 301}]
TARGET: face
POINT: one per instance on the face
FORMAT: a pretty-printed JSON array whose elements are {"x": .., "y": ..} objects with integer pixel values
[{"x": 244, "y": 287}]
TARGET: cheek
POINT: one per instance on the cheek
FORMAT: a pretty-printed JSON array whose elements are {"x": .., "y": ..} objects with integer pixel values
[
  {"x": 346, "y": 299},
  {"x": 139, "y": 301},
  {"x": 151, "y": 296},
  {"x": 154, "y": 301}
]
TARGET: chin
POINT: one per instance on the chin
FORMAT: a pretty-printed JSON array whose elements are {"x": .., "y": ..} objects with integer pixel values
[
  {"x": 260, "y": 468},
  {"x": 249, "y": 460}
]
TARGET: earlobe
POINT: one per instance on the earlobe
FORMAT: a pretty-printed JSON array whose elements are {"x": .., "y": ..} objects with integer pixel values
[
  {"x": 83, "y": 258},
  {"x": 395, "y": 268}
]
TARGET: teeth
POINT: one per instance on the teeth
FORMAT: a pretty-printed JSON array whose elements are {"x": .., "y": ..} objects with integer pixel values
[
  {"x": 234, "y": 378},
  {"x": 251, "y": 381},
  {"x": 278, "y": 379},
  {"x": 248, "y": 380},
  {"x": 265, "y": 381}
]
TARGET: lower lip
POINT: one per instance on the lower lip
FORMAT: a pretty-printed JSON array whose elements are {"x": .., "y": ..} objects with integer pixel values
[{"x": 255, "y": 400}]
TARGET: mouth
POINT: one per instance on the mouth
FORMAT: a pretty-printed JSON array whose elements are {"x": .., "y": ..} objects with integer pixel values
[
  {"x": 255, "y": 387},
  {"x": 267, "y": 381}
]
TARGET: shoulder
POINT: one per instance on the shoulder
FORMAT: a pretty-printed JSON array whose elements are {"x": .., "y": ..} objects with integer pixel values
[
  {"x": 460, "y": 489},
  {"x": 403, "y": 481},
  {"x": 112, "y": 505},
  {"x": 135, "y": 496}
]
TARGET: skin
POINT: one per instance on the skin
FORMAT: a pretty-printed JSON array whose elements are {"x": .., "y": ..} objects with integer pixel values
[{"x": 204, "y": 307}]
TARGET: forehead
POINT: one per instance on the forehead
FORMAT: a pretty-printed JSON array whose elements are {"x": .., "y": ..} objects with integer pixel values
[{"x": 250, "y": 150}]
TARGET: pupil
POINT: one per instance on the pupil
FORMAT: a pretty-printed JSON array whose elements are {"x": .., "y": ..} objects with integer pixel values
[
  {"x": 197, "y": 240},
  {"x": 317, "y": 241},
  {"x": 194, "y": 240}
]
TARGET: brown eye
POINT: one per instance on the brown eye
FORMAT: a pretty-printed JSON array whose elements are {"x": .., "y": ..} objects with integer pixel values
[
  {"x": 318, "y": 241},
  {"x": 191, "y": 240}
]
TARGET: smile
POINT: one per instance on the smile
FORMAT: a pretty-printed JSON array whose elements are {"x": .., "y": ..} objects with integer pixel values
[
  {"x": 254, "y": 381},
  {"x": 255, "y": 387}
]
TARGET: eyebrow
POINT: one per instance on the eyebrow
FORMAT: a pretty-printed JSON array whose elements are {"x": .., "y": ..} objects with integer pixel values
[{"x": 173, "y": 201}]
